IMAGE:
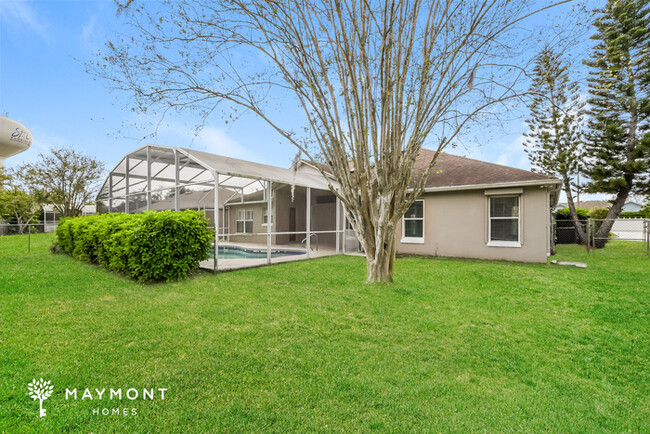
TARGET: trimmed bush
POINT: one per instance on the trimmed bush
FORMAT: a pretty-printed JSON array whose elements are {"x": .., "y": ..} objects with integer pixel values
[
  {"x": 645, "y": 211},
  {"x": 632, "y": 215},
  {"x": 563, "y": 214},
  {"x": 151, "y": 246},
  {"x": 598, "y": 213}
]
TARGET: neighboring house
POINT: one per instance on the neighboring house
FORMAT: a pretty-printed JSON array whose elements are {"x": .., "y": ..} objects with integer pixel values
[
  {"x": 470, "y": 208},
  {"x": 51, "y": 217},
  {"x": 595, "y": 204},
  {"x": 632, "y": 207}
]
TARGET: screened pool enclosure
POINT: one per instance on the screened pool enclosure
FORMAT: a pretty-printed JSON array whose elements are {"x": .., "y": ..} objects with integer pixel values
[{"x": 259, "y": 210}]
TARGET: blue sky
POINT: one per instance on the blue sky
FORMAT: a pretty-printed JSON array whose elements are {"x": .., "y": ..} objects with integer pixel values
[{"x": 43, "y": 84}]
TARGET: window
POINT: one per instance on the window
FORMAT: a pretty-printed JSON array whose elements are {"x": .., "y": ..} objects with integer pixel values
[
  {"x": 265, "y": 219},
  {"x": 413, "y": 223},
  {"x": 244, "y": 221},
  {"x": 504, "y": 221}
]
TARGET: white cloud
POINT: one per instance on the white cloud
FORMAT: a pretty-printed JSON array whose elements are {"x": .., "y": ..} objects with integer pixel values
[
  {"x": 19, "y": 14},
  {"x": 217, "y": 141},
  {"x": 503, "y": 159},
  {"x": 512, "y": 154},
  {"x": 210, "y": 139},
  {"x": 507, "y": 153},
  {"x": 88, "y": 29}
]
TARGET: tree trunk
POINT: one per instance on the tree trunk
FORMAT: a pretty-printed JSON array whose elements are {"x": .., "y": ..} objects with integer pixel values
[
  {"x": 580, "y": 229},
  {"x": 378, "y": 242},
  {"x": 380, "y": 265},
  {"x": 601, "y": 235}
]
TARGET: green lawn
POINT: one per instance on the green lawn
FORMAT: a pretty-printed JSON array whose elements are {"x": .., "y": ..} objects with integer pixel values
[{"x": 452, "y": 346}]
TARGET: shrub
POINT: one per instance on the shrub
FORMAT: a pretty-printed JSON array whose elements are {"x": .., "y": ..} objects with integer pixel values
[
  {"x": 632, "y": 215},
  {"x": 563, "y": 214},
  {"x": 598, "y": 213},
  {"x": 150, "y": 246},
  {"x": 645, "y": 211}
]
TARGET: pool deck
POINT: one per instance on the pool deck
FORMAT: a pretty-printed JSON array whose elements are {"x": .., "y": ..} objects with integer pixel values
[{"x": 241, "y": 263}]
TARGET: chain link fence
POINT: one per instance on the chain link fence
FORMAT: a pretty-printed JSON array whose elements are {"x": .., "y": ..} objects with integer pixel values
[
  {"x": 25, "y": 231},
  {"x": 623, "y": 229},
  {"x": 565, "y": 231}
]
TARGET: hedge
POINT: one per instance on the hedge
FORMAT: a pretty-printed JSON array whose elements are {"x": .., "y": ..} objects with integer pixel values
[
  {"x": 635, "y": 214},
  {"x": 563, "y": 214},
  {"x": 600, "y": 213},
  {"x": 583, "y": 214},
  {"x": 151, "y": 246}
]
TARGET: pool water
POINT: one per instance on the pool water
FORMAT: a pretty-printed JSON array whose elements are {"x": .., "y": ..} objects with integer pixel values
[{"x": 231, "y": 252}]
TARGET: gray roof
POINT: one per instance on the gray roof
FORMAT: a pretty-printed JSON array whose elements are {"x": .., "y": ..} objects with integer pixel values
[{"x": 453, "y": 170}]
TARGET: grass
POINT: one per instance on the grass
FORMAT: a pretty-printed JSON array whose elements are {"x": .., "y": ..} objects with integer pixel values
[{"x": 453, "y": 345}]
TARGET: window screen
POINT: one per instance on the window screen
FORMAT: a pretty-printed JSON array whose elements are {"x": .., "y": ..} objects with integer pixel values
[
  {"x": 504, "y": 218},
  {"x": 414, "y": 220}
]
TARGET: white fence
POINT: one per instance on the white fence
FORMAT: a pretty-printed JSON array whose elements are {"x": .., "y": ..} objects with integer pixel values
[{"x": 623, "y": 229}]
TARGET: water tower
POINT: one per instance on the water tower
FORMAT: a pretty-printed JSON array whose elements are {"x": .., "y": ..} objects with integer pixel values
[{"x": 14, "y": 138}]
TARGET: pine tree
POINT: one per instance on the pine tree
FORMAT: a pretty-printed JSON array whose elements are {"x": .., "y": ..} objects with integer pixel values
[
  {"x": 618, "y": 144},
  {"x": 554, "y": 141}
]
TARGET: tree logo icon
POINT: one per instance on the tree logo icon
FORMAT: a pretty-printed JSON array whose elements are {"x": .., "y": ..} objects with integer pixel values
[{"x": 40, "y": 390}]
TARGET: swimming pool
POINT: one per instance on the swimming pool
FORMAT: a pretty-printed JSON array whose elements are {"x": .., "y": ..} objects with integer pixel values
[{"x": 234, "y": 252}]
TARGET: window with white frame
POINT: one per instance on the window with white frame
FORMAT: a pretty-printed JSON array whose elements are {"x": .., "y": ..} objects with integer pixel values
[
  {"x": 244, "y": 221},
  {"x": 504, "y": 221},
  {"x": 265, "y": 219},
  {"x": 413, "y": 223}
]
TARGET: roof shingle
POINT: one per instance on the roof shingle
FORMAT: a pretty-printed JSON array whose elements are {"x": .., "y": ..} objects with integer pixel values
[{"x": 453, "y": 170}]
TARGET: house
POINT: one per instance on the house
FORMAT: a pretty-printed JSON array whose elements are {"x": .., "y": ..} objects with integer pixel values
[
  {"x": 629, "y": 206},
  {"x": 51, "y": 216},
  {"x": 470, "y": 208},
  {"x": 632, "y": 207},
  {"x": 475, "y": 209},
  {"x": 305, "y": 216}
]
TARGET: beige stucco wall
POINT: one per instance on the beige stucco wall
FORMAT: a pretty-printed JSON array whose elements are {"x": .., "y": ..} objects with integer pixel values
[
  {"x": 456, "y": 225},
  {"x": 283, "y": 202},
  {"x": 258, "y": 213},
  {"x": 323, "y": 217}
]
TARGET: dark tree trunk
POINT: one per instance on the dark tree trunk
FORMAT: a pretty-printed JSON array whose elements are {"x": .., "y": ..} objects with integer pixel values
[
  {"x": 601, "y": 235},
  {"x": 581, "y": 233}
]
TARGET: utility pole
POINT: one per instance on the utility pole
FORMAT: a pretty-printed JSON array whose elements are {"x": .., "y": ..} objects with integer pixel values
[{"x": 578, "y": 188}]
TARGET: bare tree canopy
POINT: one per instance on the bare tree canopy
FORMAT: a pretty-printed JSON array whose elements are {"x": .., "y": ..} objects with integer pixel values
[
  {"x": 375, "y": 81},
  {"x": 65, "y": 178}
]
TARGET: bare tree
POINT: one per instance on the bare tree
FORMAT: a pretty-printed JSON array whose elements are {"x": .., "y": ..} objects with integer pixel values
[
  {"x": 66, "y": 178},
  {"x": 375, "y": 80}
]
